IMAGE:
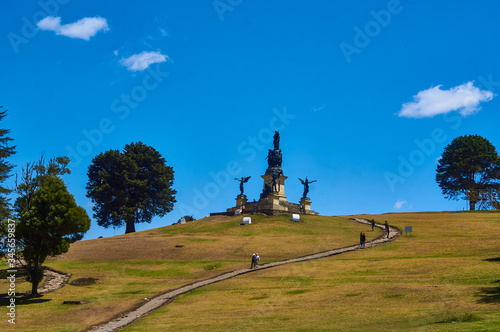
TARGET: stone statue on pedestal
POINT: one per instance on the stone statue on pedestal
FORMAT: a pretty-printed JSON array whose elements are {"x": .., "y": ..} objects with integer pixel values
[
  {"x": 306, "y": 186},
  {"x": 276, "y": 140},
  {"x": 275, "y": 187}
]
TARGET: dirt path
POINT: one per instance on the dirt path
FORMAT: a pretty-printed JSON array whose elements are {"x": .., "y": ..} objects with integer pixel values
[
  {"x": 158, "y": 301},
  {"x": 53, "y": 280}
]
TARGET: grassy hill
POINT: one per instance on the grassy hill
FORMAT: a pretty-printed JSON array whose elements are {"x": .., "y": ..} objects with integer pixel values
[
  {"x": 131, "y": 267},
  {"x": 448, "y": 270}
]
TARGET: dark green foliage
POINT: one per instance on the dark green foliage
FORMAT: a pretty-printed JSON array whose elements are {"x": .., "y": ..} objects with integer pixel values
[
  {"x": 187, "y": 218},
  {"x": 468, "y": 164},
  {"x": 5, "y": 168},
  {"x": 48, "y": 219},
  {"x": 130, "y": 187}
]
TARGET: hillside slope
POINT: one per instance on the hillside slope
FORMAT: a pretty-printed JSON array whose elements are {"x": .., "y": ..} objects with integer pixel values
[
  {"x": 445, "y": 277},
  {"x": 130, "y": 268}
]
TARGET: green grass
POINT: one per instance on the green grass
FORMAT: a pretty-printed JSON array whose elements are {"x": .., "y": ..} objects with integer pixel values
[{"x": 297, "y": 291}]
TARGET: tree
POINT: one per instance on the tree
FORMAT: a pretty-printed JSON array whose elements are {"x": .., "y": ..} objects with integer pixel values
[
  {"x": 186, "y": 219},
  {"x": 48, "y": 218},
  {"x": 130, "y": 187},
  {"x": 468, "y": 165},
  {"x": 5, "y": 168}
]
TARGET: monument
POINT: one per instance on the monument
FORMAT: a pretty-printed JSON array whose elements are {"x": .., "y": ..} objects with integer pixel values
[
  {"x": 272, "y": 198},
  {"x": 241, "y": 199},
  {"x": 305, "y": 202}
]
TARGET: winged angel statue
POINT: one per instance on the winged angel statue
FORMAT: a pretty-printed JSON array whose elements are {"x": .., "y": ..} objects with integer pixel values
[
  {"x": 242, "y": 180},
  {"x": 306, "y": 186}
]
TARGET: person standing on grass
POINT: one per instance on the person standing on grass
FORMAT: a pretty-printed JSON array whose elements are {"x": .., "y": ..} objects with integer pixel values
[
  {"x": 387, "y": 229},
  {"x": 373, "y": 225},
  {"x": 257, "y": 260},
  {"x": 253, "y": 261},
  {"x": 243, "y": 209},
  {"x": 254, "y": 206}
]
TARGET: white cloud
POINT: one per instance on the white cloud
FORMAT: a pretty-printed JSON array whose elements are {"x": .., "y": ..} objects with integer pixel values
[
  {"x": 141, "y": 61},
  {"x": 428, "y": 103},
  {"x": 83, "y": 29},
  {"x": 399, "y": 204},
  {"x": 115, "y": 52},
  {"x": 50, "y": 23}
]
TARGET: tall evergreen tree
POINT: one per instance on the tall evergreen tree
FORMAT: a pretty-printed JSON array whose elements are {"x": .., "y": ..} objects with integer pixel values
[
  {"x": 6, "y": 150},
  {"x": 130, "y": 187},
  {"x": 48, "y": 219},
  {"x": 468, "y": 164}
]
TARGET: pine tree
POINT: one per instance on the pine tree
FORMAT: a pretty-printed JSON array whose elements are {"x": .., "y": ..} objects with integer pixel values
[
  {"x": 469, "y": 164},
  {"x": 48, "y": 219},
  {"x": 5, "y": 167},
  {"x": 130, "y": 187}
]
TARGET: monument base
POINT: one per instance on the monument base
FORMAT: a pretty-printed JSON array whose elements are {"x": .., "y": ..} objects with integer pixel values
[
  {"x": 241, "y": 200},
  {"x": 268, "y": 185},
  {"x": 305, "y": 203},
  {"x": 273, "y": 202}
]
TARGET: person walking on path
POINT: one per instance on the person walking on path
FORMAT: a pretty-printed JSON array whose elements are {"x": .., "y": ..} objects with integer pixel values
[
  {"x": 253, "y": 261},
  {"x": 362, "y": 239},
  {"x": 373, "y": 225},
  {"x": 387, "y": 229},
  {"x": 257, "y": 260}
]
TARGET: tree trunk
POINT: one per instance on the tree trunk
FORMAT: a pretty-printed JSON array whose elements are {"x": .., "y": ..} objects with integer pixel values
[
  {"x": 34, "y": 285},
  {"x": 472, "y": 205},
  {"x": 130, "y": 226},
  {"x": 34, "y": 274}
]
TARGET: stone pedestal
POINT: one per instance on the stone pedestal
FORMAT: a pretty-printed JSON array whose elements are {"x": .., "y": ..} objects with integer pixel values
[
  {"x": 268, "y": 183},
  {"x": 241, "y": 200},
  {"x": 274, "y": 203},
  {"x": 305, "y": 202}
]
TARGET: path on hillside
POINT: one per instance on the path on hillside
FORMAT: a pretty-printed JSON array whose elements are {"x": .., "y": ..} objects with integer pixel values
[
  {"x": 165, "y": 298},
  {"x": 53, "y": 280}
]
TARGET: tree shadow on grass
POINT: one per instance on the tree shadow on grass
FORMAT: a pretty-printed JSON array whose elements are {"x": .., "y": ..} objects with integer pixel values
[
  {"x": 496, "y": 259},
  {"x": 489, "y": 294},
  {"x": 4, "y": 300}
]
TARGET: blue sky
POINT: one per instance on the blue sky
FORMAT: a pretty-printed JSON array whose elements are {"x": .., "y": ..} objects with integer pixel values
[{"x": 366, "y": 94}]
